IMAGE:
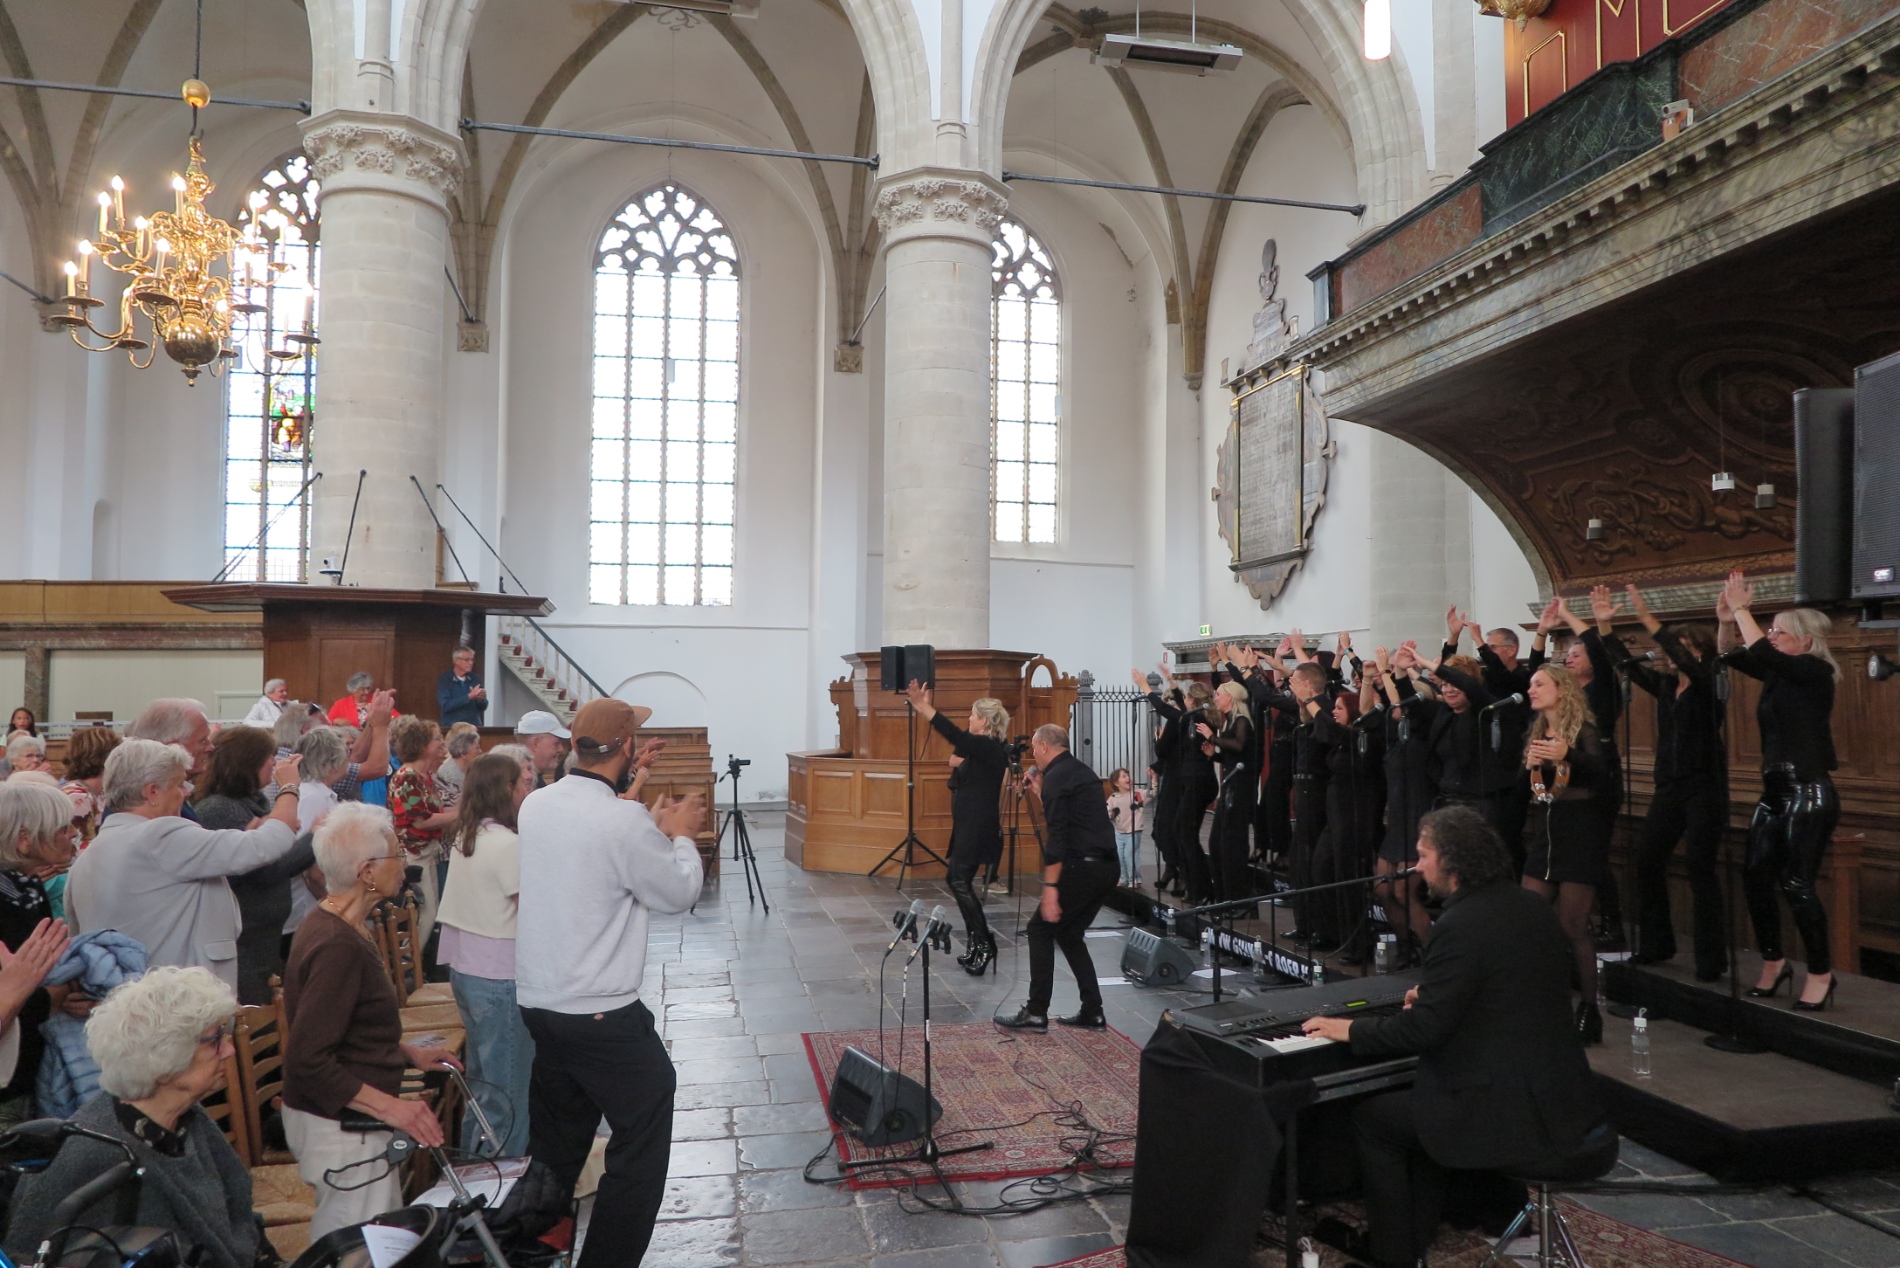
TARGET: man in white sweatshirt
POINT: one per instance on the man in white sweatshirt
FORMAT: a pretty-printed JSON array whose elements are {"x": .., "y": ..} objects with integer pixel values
[{"x": 593, "y": 864}]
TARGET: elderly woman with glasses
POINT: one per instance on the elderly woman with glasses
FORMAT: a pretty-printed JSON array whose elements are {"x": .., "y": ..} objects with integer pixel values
[
  {"x": 161, "y": 1042},
  {"x": 160, "y": 878},
  {"x": 36, "y": 842},
  {"x": 345, "y": 1056}
]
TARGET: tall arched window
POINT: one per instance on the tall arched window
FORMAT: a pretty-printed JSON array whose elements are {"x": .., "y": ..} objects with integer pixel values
[
  {"x": 270, "y": 401},
  {"x": 1025, "y": 387},
  {"x": 666, "y": 404}
]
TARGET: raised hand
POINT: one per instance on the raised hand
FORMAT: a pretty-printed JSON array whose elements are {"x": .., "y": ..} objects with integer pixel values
[
  {"x": 1549, "y": 617},
  {"x": 1738, "y": 592},
  {"x": 1454, "y": 624},
  {"x": 917, "y": 693},
  {"x": 1285, "y": 649},
  {"x": 1140, "y": 680},
  {"x": 1641, "y": 607},
  {"x": 1407, "y": 655},
  {"x": 1602, "y": 604},
  {"x": 1345, "y": 644},
  {"x": 1383, "y": 656}
]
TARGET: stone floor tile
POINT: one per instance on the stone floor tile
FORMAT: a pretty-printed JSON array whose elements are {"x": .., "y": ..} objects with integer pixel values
[
  {"x": 1036, "y": 1251},
  {"x": 898, "y": 1226},
  {"x": 719, "y": 1070},
  {"x": 1759, "y": 1245},
  {"x": 712, "y": 1243},
  {"x": 702, "y": 1124},
  {"x": 825, "y": 1235},
  {"x": 700, "y": 1197},
  {"x": 722, "y": 1095},
  {"x": 978, "y": 1255},
  {"x": 1849, "y": 1239},
  {"x": 767, "y": 1120},
  {"x": 703, "y": 1158},
  {"x": 782, "y": 1149},
  {"x": 788, "y": 1190}
]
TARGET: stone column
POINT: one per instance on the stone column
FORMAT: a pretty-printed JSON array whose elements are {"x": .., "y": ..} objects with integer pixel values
[
  {"x": 386, "y": 183},
  {"x": 937, "y": 226}
]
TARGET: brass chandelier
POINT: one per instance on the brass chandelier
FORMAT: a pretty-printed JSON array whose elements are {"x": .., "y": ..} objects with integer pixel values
[{"x": 191, "y": 277}]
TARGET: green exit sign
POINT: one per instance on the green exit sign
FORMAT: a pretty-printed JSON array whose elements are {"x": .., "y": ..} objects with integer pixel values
[{"x": 1206, "y": 630}]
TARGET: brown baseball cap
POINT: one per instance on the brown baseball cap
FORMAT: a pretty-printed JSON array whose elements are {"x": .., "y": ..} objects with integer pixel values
[{"x": 603, "y": 725}]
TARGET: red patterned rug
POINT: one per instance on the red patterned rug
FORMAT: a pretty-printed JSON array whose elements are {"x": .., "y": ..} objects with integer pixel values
[
  {"x": 1015, "y": 1089},
  {"x": 1605, "y": 1243}
]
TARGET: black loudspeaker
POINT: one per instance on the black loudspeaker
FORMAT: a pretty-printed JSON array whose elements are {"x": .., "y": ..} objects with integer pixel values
[
  {"x": 1155, "y": 961},
  {"x": 1824, "y": 496},
  {"x": 1876, "y": 479},
  {"x": 899, "y": 666},
  {"x": 876, "y": 1104}
]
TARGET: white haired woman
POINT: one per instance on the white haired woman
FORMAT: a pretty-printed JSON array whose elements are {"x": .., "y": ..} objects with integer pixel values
[
  {"x": 36, "y": 840},
  {"x": 270, "y": 705},
  {"x": 345, "y": 1057},
  {"x": 161, "y": 1041},
  {"x": 160, "y": 878},
  {"x": 979, "y": 758},
  {"x": 1799, "y": 809}
]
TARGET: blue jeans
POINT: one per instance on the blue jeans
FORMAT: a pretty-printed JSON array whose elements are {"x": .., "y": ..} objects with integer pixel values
[
  {"x": 500, "y": 1058},
  {"x": 1128, "y": 847}
]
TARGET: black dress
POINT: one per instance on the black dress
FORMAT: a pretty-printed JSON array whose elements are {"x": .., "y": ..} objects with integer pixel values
[
  {"x": 976, "y": 824},
  {"x": 23, "y": 904},
  {"x": 1355, "y": 814},
  {"x": 263, "y": 896},
  {"x": 1409, "y": 789},
  {"x": 1567, "y": 838},
  {"x": 1233, "y": 808}
]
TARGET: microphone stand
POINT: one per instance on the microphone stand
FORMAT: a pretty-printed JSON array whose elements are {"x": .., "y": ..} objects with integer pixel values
[
  {"x": 928, "y": 1151},
  {"x": 1221, "y": 908},
  {"x": 911, "y": 842},
  {"x": 1734, "y": 1041}
]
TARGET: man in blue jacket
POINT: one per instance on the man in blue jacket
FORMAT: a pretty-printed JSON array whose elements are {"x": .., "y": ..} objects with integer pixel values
[{"x": 459, "y": 694}]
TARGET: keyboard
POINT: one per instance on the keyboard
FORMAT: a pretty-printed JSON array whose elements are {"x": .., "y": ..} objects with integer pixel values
[{"x": 1258, "y": 1040}]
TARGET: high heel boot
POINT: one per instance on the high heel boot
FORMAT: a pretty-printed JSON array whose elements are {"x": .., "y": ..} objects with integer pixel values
[{"x": 981, "y": 957}]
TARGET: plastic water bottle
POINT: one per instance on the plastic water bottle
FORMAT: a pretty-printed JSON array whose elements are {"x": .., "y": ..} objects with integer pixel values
[
  {"x": 1385, "y": 953},
  {"x": 1639, "y": 1044}
]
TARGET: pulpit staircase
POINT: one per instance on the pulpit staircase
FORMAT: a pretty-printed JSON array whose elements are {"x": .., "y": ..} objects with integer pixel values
[{"x": 539, "y": 663}]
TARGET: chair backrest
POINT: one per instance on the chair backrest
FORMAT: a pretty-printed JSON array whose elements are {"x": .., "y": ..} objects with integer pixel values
[
  {"x": 261, "y": 1035},
  {"x": 225, "y": 1107},
  {"x": 403, "y": 949}
]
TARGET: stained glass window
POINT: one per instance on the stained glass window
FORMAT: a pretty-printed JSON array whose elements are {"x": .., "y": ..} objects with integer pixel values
[
  {"x": 666, "y": 404},
  {"x": 271, "y": 388},
  {"x": 1025, "y": 387}
]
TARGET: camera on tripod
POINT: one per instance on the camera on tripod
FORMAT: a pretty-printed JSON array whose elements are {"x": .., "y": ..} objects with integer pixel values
[
  {"x": 735, "y": 764},
  {"x": 1017, "y": 747}
]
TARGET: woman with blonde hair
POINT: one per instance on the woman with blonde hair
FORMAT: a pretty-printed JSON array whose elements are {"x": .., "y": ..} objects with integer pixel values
[
  {"x": 1789, "y": 835},
  {"x": 979, "y": 758},
  {"x": 1573, "y": 781},
  {"x": 1230, "y": 746}
]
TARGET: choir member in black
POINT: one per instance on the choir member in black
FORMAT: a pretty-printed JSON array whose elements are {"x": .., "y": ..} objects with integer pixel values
[
  {"x": 1452, "y": 725},
  {"x": 1409, "y": 793},
  {"x": 1691, "y": 796},
  {"x": 1303, "y": 701},
  {"x": 1230, "y": 747},
  {"x": 1589, "y": 661},
  {"x": 979, "y": 760},
  {"x": 1789, "y": 834},
  {"x": 1507, "y": 800},
  {"x": 1355, "y": 815},
  {"x": 1567, "y": 836},
  {"x": 1273, "y": 821},
  {"x": 1198, "y": 786},
  {"x": 1167, "y": 798}
]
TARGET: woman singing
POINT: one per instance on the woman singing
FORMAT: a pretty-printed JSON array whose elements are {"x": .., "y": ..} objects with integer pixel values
[
  {"x": 1798, "y": 812},
  {"x": 1691, "y": 794},
  {"x": 1230, "y": 748},
  {"x": 1167, "y": 797},
  {"x": 979, "y": 760},
  {"x": 1194, "y": 776},
  {"x": 1567, "y": 837},
  {"x": 1409, "y": 794}
]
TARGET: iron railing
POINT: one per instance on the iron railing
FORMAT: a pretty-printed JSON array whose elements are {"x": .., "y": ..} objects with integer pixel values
[
  {"x": 547, "y": 662},
  {"x": 1112, "y": 729}
]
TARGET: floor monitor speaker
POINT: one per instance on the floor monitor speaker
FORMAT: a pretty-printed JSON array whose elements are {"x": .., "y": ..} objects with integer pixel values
[
  {"x": 876, "y": 1104},
  {"x": 1155, "y": 961},
  {"x": 1876, "y": 479},
  {"x": 1824, "y": 494}
]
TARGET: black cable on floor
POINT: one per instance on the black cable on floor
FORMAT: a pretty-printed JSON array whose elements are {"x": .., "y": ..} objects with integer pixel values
[{"x": 1804, "y": 1191}]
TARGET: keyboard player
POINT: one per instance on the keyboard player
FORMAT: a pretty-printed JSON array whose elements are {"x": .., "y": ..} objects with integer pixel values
[{"x": 1502, "y": 1081}]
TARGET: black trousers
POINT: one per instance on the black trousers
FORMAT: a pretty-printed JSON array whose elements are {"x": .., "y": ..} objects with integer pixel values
[
  {"x": 1697, "y": 809},
  {"x": 1166, "y": 807},
  {"x": 1404, "y": 1189},
  {"x": 961, "y": 878},
  {"x": 1273, "y": 820},
  {"x": 1079, "y": 894},
  {"x": 1309, "y": 822},
  {"x": 1196, "y": 794},
  {"x": 589, "y": 1066},
  {"x": 1228, "y": 846},
  {"x": 1787, "y": 839}
]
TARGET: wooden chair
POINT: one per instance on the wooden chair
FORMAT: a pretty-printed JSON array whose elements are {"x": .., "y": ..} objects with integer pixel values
[
  {"x": 403, "y": 925},
  {"x": 279, "y": 1194},
  {"x": 225, "y": 1107}
]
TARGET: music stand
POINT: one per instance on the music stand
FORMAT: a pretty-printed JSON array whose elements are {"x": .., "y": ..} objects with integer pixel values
[
  {"x": 1733, "y": 1040},
  {"x": 911, "y": 843},
  {"x": 928, "y": 1151}
]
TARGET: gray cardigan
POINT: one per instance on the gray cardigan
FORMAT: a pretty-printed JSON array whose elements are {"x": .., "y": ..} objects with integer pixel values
[
  {"x": 204, "y": 1196},
  {"x": 162, "y": 881}
]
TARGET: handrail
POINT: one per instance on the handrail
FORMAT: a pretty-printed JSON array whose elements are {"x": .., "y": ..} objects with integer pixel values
[{"x": 565, "y": 656}]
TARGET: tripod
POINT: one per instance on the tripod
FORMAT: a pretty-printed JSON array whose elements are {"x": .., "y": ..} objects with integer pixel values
[
  {"x": 911, "y": 843},
  {"x": 928, "y": 1151},
  {"x": 741, "y": 839},
  {"x": 1013, "y": 811}
]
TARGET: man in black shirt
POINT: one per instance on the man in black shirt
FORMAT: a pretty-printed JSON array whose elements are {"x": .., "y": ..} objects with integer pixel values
[
  {"x": 1078, "y": 870},
  {"x": 1502, "y": 1081}
]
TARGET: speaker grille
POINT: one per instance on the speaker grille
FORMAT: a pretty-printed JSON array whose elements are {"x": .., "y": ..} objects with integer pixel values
[{"x": 1877, "y": 479}]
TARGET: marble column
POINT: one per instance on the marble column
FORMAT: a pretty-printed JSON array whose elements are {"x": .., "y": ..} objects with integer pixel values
[
  {"x": 386, "y": 183},
  {"x": 937, "y": 225}
]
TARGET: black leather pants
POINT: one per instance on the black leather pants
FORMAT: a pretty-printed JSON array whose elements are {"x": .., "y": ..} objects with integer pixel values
[
  {"x": 962, "y": 881},
  {"x": 1787, "y": 839}
]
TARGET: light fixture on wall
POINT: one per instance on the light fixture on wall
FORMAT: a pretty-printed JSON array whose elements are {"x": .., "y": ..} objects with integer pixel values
[
  {"x": 1378, "y": 32},
  {"x": 728, "y": 8},
  {"x": 1593, "y": 530}
]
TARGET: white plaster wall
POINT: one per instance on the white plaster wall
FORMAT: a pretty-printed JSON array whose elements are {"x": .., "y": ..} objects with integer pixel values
[
  {"x": 126, "y": 681},
  {"x": 748, "y": 660}
]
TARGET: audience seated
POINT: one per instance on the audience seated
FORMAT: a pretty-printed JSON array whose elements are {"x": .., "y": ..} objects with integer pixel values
[
  {"x": 159, "y": 878},
  {"x": 161, "y": 1042}
]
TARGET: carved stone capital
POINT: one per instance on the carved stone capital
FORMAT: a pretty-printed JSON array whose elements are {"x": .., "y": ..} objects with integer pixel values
[
  {"x": 471, "y": 336},
  {"x": 848, "y": 359},
  {"x": 357, "y": 150},
  {"x": 937, "y": 202}
]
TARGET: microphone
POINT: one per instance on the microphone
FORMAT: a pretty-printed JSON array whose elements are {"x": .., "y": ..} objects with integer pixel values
[
  {"x": 1654, "y": 653},
  {"x": 906, "y": 922},
  {"x": 1515, "y": 698},
  {"x": 932, "y": 927}
]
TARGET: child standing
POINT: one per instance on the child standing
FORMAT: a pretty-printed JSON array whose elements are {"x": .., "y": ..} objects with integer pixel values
[{"x": 1124, "y": 811}]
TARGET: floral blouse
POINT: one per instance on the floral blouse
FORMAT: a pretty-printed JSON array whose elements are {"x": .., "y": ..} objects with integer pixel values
[{"x": 413, "y": 797}]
